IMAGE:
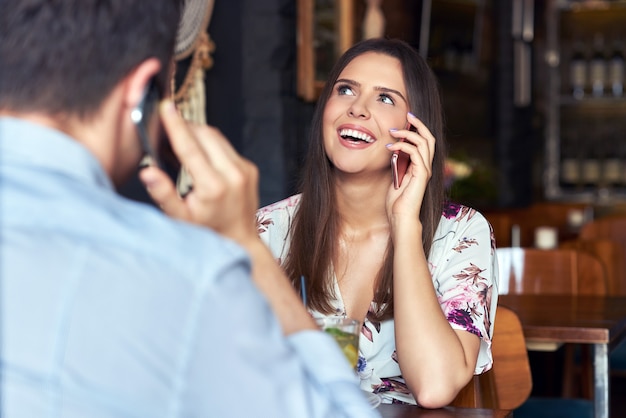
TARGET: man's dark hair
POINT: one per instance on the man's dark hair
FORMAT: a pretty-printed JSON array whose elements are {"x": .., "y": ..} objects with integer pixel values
[{"x": 65, "y": 56}]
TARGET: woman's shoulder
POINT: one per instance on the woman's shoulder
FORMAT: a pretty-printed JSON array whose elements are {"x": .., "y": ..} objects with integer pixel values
[
  {"x": 274, "y": 213},
  {"x": 461, "y": 226},
  {"x": 285, "y": 204},
  {"x": 456, "y": 213}
]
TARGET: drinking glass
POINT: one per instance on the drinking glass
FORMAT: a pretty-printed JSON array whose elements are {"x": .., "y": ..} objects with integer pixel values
[{"x": 346, "y": 332}]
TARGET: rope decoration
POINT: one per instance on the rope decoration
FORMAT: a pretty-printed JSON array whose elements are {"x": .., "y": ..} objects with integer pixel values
[{"x": 189, "y": 97}]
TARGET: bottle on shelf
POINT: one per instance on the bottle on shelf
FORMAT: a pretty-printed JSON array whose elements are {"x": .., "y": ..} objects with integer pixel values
[
  {"x": 591, "y": 173},
  {"x": 616, "y": 68},
  {"x": 609, "y": 150},
  {"x": 598, "y": 66},
  {"x": 578, "y": 70},
  {"x": 591, "y": 165},
  {"x": 602, "y": 145},
  {"x": 570, "y": 161},
  {"x": 570, "y": 171},
  {"x": 613, "y": 167},
  {"x": 620, "y": 148}
]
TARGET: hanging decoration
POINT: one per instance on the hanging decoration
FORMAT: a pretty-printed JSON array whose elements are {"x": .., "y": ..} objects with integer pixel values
[{"x": 193, "y": 43}]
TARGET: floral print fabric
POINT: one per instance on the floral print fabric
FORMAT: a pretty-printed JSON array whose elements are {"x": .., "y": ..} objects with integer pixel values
[{"x": 464, "y": 271}]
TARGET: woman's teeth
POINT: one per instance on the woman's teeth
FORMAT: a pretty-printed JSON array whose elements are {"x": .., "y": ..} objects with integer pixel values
[{"x": 355, "y": 135}]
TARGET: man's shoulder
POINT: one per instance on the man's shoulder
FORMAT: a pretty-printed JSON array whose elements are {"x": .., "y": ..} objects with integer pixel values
[
  {"x": 152, "y": 232},
  {"x": 110, "y": 224}
]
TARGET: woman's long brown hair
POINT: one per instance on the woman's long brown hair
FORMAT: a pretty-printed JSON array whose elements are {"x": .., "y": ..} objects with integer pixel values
[{"x": 315, "y": 226}]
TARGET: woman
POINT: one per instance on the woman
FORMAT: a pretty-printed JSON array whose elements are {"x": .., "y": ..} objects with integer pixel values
[{"x": 418, "y": 272}]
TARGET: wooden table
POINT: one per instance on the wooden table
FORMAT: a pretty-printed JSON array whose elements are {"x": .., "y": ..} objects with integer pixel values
[
  {"x": 596, "y": 320},
  {"x": 410, "y": 411}
]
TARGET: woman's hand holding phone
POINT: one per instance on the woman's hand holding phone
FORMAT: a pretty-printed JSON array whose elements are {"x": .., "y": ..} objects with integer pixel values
[
  {"x": 420, "y": 154},
  {"x": 417, "y": 142}
]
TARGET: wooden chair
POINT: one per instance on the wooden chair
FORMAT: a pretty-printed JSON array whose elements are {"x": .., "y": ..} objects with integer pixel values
[
  {"x": 508, "y": 384},
  {"x": 611, "y": 228},
  {"x": 613, "y": 257},
  {"x": 555, "y": 271},
  {"x": 511, "y": 372}
]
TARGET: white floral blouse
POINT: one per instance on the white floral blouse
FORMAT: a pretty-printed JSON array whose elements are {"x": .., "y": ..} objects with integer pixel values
[{"x": 464, "y": 270}]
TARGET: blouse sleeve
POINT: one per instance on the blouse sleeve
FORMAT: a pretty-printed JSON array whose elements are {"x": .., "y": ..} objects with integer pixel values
[
  {"x": 464, "y": 268},
  {"x": 274, "y": 223}
]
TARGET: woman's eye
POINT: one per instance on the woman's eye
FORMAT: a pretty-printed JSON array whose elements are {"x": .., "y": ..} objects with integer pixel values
[
  {"x": 345, "y": 91},
  {"x": 386, "y": 99}
]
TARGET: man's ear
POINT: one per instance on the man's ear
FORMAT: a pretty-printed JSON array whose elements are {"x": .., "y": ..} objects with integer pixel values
[{"x": 137, "y": 80}]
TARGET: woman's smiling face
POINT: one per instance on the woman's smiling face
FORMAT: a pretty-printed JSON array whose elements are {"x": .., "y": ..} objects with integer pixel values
[{"x": 369, "y": 98}]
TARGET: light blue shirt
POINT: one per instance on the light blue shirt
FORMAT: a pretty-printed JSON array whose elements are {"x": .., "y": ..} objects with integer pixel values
[{"x": 111, "y": 309}]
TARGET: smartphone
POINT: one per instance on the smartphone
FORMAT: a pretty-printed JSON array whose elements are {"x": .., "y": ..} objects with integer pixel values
[
  {"x": 400, "y": 163},
  {"x": 140, "y": 116}
]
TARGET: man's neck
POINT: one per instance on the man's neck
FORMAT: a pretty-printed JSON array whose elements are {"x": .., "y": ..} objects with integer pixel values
[
  {"x": 88, "y": 132},
  {"x": 39, "y": 119}
]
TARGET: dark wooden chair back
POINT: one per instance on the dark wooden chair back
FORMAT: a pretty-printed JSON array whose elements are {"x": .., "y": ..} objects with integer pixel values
[
  {"x": 508, "y": 384},
  {"x": 554, "y": 271},
  {"x": 613, "y": 256},
  {"x": 611, "y": 227}
]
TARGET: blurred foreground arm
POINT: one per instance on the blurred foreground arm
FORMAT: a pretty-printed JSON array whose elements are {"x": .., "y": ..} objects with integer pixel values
[{"x": 225, "y": 199}]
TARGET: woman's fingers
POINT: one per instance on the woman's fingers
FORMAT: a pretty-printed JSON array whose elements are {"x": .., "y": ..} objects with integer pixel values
[
  {"x": 419, "y": 143},
  {"x": 425, "y": 139}
]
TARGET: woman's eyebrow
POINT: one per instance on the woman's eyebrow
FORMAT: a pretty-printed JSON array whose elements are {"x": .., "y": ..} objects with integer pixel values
[
  {"x": 347, "y": 81},
  {"x": 388, "y": 90}
]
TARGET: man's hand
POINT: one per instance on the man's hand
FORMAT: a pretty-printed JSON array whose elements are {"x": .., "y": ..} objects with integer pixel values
[
  {"x": 225, "y": 185},
  {"x": 224, "y": 198}
]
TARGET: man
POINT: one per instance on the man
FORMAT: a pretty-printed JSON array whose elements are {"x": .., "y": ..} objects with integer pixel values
[{"x": 108, "y": 307}]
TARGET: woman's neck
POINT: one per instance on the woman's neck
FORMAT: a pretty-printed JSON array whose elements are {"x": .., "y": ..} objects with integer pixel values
[{"x": 361, "y": 206}]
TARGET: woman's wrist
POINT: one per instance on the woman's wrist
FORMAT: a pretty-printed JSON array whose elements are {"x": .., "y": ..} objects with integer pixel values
[{"x": 407, "y": 229}]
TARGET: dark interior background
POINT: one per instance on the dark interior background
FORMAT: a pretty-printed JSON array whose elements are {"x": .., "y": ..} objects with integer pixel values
[{"x": 251, "y": 95}]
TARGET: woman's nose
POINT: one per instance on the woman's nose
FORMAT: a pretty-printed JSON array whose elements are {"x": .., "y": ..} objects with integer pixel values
[{"x": 358, "y": 109}]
